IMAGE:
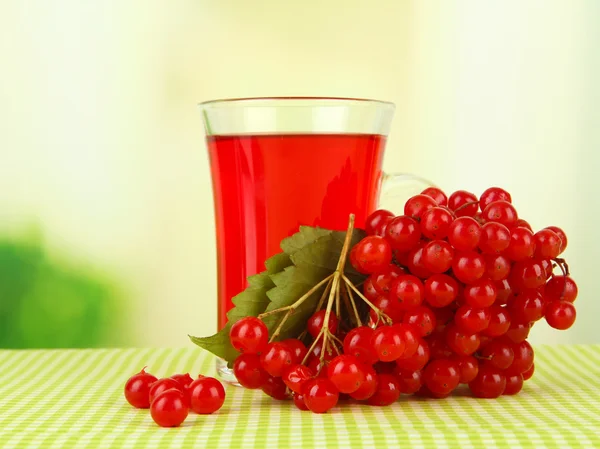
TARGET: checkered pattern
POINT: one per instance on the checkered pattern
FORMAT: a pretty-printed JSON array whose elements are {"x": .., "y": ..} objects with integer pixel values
[{"x": 74, "y": 398}]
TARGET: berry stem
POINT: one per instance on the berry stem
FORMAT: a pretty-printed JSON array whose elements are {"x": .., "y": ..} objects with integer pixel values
[
  {"x": 325, "y": 294},
  {"x": 386, "y": 318},
  {"x": 564, "y": 267},
  {"x": 463, "y": 206},
  {"x": 351, "y": 298}
]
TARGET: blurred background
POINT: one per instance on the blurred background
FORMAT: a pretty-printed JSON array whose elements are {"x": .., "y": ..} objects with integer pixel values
[{"x": 106, "y": 220}]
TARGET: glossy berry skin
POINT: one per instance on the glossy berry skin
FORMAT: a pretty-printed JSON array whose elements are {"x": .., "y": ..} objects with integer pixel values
[
  {"x": 408, "y": 290},
  {"x": 382, "y": 281},
  {"x": 522, "y": 244},
  {"x": 297, "y": 348},
  {"x": 547, "y": 244},
  {"x": 299, "y": 402},
  {"x": 468, "y": 266},
  {"x": 523, "y": 224},
  {"x": 437, "y": 256},
  {"x": 296, "y": 376},
  {"x": 527, "y": 306},
  {"x": 528, "y": 374},
  {"x": 320, "y": 395},
  {"x": 275, "y": 388},
  {"x": 460, "y": 342},
  {"x": 164, "y": 384},
  {"x": 358, "y": 343},
  {"x": 472, "y": 320},
  {"x": 346, "y": 373},
  {"x": 169, "y": 409},
  {"x": 410, "y": 381},
  {"x": 416, "y": 206},
  {"x": 373, "y": 254},
  {"x": 316, "y": 321},
  {"x": 527, "y": 274},
  {"x": 503, "y": 292},
  {"x": 493, "y": 194},
  {"x": 375, "y": 220},
  {"x": 403, "y": 233},
  {"x": 418, "y": 360},
  {"x": 499, "y": 322},
  {"x": 463, "y": 203},
  {"x": 481, "y": 293},
  {"x": 561, "y": 234},
  {"x": 468, "y": 367},
  {"x": 387, "y": 392},
  {"x": 518, "y": 332},
  {"x": 497, "y": 267},
  {"x": 441, "y": 376},
  {"x": 249, "y": 335},
  {"x": 276, "y": 358},
  {"x": 369, "y": 289},
  {"x": 489, "y": 383},
  {"x": 422, "y": 319},
  {"x": 514, "y": 384},
  {"x": 435, "y": 223},
  {"x": 464, "y": 234},
  {"x": 184, "y": 379},
  {"x": 248, "y": 371},
  {"x": 561, "y": 288},
  {"x": 438, "y": 195},
  {"x": 495, "y": 238},
  {"x": 440, "y": 290},
  {"x": 560, "y": 314},
  {"x": 501, "y": 212},
  {"x": 409, "y": 335},
  {"x": 387, "y": 343},
  {"x": 415, "y": 263},
  {"x": 388, "y": 306},
  {"x": 498, "y": 353},
  {"x": 368, "y": 386},
  {"x": 523, "y": 358},
  {"x": 438, "y": 346},
  {"x": 137, "y": 389},
  {"x": 206, "y": 395}
]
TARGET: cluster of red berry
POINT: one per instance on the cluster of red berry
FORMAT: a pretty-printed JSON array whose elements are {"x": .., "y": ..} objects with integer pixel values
[
  {"x": 170, "y": 399},
  {"x": 454, "y": 286}
]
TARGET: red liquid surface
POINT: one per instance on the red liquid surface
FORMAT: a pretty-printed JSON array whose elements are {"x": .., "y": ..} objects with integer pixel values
[{"x": 266, "y": 186}]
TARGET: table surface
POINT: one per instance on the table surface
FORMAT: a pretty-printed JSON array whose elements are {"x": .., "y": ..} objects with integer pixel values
[{"x": 74, "y": 398}]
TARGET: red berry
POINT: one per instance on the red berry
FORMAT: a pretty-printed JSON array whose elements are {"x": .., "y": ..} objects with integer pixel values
[
  {"x": 481, "y": 293},
  {"x": 463, "y": 203},
  {"x": 437, "y": 256},
  {"x": 468, "y": 266},
  {"x": 498, "y": 353},
  {"x": 320, "y": 395},
  {"x": 184, "y": 379},
  {"x": 497, "y": 267},
  {"x": 438, "y": 195},
  {"x": 373, "y": 254},
  {"x": 468, "y": 367},
  {"x": 368, "y": 386},
  {"x": 460, "y": 342},
  {"x": 316, "y": 321},
  {"x": 358, "y": 343},
  {"x": 526, "y": 274},
  {"x": 518, "y": 332},
  {"x": 489, "y": 383},
  {"x": 523, "y": 224},
  {"x": 408, "y": 290},
  {"x": 501, "y": 212},
  {"x": 409, "y": 335},
  {"x": 206, "y": 395},
  {"x": 418, "y": 360},
  {"x": 162, "y": 385},
  {"x": 297, "y": 347},
  {"x": 495, "y": 238},
  {"x": 387, "y": 392},
  {"x": 169, "y": 409},
  {"x": 464, "y": 233},
  {"x": 346, "y": 373},
  {"x": 527, "y": 306},
  {"x": 416, "y": 206},
  {"x": 435, "y": 223},
  {"x": 491, "y": 195},
  {"x": 388, "y": 343},
  {"x": 388, "y": 306},
  {"x": 249, "y": 335},
  {"x": 528, "y": 374},
  {"x": 276, "y": 358},
  {"x": 403, "y": 233},
  {"x": 440, "y": 290},
  {"x": 547, "y": 244},
  {"x": 438, "y": 346},
  {"x": 248, "y": 371},
  {"x": 499, "y": 322},
  {"x": 299, "y": 402},
  {"x": 382, "y": 281},
  {"x": 522, "y": 244},
  {"x": 137, "y": 389},
  {"x": 561, "y": 288},
  {"x": 422, "y": 318},
  {"x": 514, "y": 384},
  {"x": 441, "y": 376},
  {"x": 523, "y": 358},
  {"x": 410, "y": 381},
  {"x": 274, "y": 387},
  {"x": 376, "y": 219},
  {"x": 503, "y": 292},
  {"x": 561, "y": 234},
  {"x": 296, "y": 376},
  {"x": 471, "y": 319},
  {"x": 369, "y": 289},
  {"x": 415, "y": 263},
  {"x": 560, "y": 314}
]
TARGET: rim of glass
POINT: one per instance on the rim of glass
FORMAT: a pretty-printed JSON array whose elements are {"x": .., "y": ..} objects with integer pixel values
[{"x": 294, "y": 98}]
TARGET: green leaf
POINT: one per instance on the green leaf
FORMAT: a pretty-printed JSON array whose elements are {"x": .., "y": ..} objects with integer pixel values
[{"x": 305, "y": 236}]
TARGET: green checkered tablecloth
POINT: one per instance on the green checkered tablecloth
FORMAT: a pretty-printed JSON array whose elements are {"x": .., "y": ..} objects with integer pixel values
[{"x": 74, "y": 399}]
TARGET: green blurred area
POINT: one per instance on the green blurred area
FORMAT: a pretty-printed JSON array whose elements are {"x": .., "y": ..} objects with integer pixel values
[{"x": 50, "y": 303}]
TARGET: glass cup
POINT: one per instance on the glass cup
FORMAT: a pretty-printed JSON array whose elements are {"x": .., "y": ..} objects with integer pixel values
[{"x": 278, "y": 163}]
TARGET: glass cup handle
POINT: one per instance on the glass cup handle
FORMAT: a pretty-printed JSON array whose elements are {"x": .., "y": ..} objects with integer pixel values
[{"x": 396, "y": 188}]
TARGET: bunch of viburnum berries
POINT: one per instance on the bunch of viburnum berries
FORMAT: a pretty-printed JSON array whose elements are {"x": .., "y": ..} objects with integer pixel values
[{"x": 454, "y": 286}]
